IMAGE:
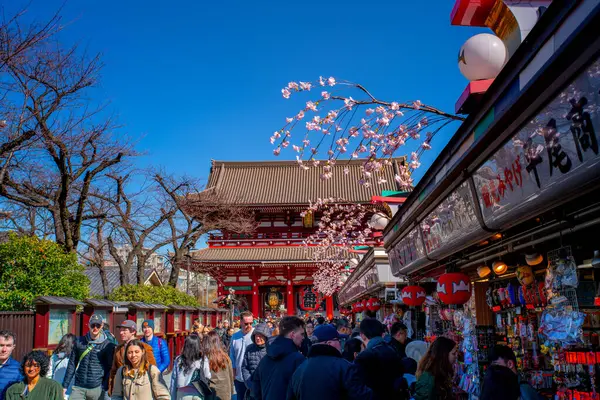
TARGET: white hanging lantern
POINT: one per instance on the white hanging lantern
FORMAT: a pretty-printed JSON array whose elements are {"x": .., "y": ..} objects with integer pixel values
[
  {"x": 379, "y": 221},
  {"x": 482, "y": 57},
  {"x": 353, "y": 262}
]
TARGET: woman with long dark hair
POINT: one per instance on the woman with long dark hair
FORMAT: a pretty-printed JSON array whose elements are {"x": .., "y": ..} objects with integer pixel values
[
  {"x": 221, "y": 370},
  {"x": 186, "y": 368},
  {"x": 137, "y": 379},
  {"x": 59, "y": 361},
  {"x": 35, "y": 386},
  {"x": 436, "y": 370}
]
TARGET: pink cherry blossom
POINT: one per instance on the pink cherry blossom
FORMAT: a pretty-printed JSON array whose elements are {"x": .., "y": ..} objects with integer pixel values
[
  {"x": 277, "y": 151},
  {"x": 293, "y": 85},
  {"x": 300, "y": 115},
  {"x": 305, "y": 85},
  {"x": 311, "y": 106},
  {"x": 321, "y": 81},
  {"x": 331, "y": 81},
  {"x": 325, "y": 95},
  {"x": 289, "y": 119},
  {"x": 286, "y": 93}
]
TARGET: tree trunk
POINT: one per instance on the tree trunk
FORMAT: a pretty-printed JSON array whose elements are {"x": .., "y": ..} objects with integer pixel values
[
  {"x": 141, "y": 269},
  {"x": 175, "y": 268},
  {"x": 104, "y": 280}
]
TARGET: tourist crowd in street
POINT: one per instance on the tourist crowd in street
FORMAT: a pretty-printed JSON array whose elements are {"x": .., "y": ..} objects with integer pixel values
[{"x": 295, "y": 359}]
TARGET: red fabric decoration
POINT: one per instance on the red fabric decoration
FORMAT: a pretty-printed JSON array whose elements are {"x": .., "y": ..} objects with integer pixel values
[
  {"x": 373, "y": 304},
  {"x": 359, "y": 307},
  {"x": 413, "y": 295},
  {"x": 454, "y": 288}
]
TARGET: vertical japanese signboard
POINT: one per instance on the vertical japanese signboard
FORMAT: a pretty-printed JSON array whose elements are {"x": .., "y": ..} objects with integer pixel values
[{"x": 556, "y": 154}]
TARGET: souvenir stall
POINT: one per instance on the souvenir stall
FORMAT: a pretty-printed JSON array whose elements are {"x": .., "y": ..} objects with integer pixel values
[
  {"x": 507, "y": 218},
  {"x": 368, "y": 287}
]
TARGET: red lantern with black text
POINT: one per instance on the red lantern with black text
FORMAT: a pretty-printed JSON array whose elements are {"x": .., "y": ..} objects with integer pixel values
[
  {"x": 359, "y": 307},
  {"x": 373, "y": 304},
  {"x": 413, "y": 295},
  {"x": 454, "y": 288}
]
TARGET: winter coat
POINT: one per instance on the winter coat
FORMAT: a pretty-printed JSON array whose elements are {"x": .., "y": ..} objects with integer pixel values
[
  {"x": 181, "y": 381},
  {"x": 94, "y": 368},
  {"x": 426, "y": 389},
  {"x": 160, "y": 350},
  {"x": 273, "y": 375},
  {"x": 10, "y": 372},
  {"x": 254, "y": 353},
  {"x": 118, "y": 362},
  {"x": 222, "y": 382},
  {"x": 326, "y": 375},
  {"x": 500, "y": 382},
  {"x": 380, "y": 367},
  {"x": 45, "y": 389},
  {"x": 57, "y": 369},
  {"x": 399, "y": 347},
  {"x": 146, "y": 386},
  {"x": 226, "y": 341}
]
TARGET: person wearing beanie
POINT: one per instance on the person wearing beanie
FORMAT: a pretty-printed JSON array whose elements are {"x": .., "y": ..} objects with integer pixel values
[
  {"x": 255, "y": 352},
  {"x": 159, "y": 346}
]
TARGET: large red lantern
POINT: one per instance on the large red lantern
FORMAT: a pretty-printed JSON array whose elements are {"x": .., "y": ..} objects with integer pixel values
[
  {"x": 359, "y": 307},
  {"x": 454, "y": 288},
  {"x": 373, "y": 304},
  {"x": 413, "y": 295}
]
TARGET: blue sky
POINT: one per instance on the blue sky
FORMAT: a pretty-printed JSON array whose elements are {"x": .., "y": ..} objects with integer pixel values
[{"x": 202, "y": 80}]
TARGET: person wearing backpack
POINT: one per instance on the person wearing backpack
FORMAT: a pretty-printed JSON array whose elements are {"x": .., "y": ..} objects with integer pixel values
[
  {"x": 137, "y": 379},
  {"x": 160, "y": 349},
  {"x": 59, "y": 361},
  {"x": 188, "y": 369},
  {"x": 89, "y": 364}
]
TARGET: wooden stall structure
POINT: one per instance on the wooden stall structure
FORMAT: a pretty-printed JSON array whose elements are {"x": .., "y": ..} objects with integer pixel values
[{"x": 54, "y": 318}]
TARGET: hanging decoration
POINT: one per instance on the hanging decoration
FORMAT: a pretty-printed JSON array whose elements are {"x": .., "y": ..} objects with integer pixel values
[
  {"x": 309, "y": 299},
  {"x": 413, "y": 295},
  {"x": 373, "y": 304},
  {"x": 525, "y": 275},
  {"x": 359, "y": 307},
  {"x": 454, "y": 288}
]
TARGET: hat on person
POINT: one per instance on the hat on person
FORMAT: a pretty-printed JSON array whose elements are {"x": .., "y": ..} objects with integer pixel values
[
  {"x": 416, "y": 350},
  {"x": 326, "y": 332},
  {"x": 148, "y": 323},
  {"x": 128, "y": 324},
  {"x": 95, "y": 319}
]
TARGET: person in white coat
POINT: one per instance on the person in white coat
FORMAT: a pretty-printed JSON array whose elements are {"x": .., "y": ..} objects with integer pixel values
[
  {"x": 59, "y": 361},
  {"x": 189, "y": 366}
]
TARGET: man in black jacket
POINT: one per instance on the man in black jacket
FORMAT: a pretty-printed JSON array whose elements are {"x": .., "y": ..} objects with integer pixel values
[
  {"x": 399, "y": 338},
  {"x": 271, "y": 379},
  {"x": 380, "y": 365},
  {"x": 326, "y": 375},
  {"x": 90, "y": 362}
]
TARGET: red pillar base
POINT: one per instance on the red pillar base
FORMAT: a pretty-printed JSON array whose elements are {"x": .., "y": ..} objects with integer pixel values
[
  {"x": 291, "y": 307},
  {"x": 329, "y": 307}
]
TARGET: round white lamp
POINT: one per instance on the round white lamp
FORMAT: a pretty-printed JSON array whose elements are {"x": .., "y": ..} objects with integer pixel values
[
  {"x": 379, "y": 221},
  {"x": 482, "y": 57}
]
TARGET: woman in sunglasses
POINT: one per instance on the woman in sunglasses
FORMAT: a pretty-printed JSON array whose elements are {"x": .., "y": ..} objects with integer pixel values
[{"x": 35, "y": 386}]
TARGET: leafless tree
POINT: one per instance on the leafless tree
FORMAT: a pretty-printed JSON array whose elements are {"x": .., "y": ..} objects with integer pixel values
[
  {"x": 95, "y": 250},
  {"x": 198, "y": 213},
  {"x": 47, "y": 91},
  {"x": 29, "y": 221}
]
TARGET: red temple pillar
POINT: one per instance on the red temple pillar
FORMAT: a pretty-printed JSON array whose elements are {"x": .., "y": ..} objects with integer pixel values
[
  {"x": 329, "y": 307},
  {"x": 291, "y": 309},
  {"x": 255, "y": 295}
]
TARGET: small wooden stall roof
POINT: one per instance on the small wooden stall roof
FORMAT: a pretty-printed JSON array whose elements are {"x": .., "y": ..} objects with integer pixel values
[
  {"x": 146, "y": 306},
  {"x": 58, "y": 301},
  {"x": 98, "y": 303},
  {"x": 182, "y": 308}
]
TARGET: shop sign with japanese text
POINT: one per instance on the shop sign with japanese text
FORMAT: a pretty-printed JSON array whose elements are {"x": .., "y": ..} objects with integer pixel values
[
  {"x": 554, "y": 155},
  {"x": 407, "y": 253},
  {"x": 453, "y": 220}
]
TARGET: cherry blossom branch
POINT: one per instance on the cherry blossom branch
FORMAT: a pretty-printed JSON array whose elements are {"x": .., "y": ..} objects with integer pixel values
[{"x": 375, "y": 135}]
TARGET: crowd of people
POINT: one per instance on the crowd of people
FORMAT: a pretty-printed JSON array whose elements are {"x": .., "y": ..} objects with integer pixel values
[{"x": 293, "y": 359}]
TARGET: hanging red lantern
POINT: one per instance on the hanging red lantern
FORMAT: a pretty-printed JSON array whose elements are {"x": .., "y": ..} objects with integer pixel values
[
  {"x": 413, "y": 295},
  {"x": 454, "y": 288},
  {"x": 373, "y": 304},
  {"x": 359, "y": 307}
]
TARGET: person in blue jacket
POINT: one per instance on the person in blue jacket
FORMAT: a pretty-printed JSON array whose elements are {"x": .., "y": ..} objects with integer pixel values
[
  {"x": 159, "y": 346},
  {"x": 10, "y": 369}
]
